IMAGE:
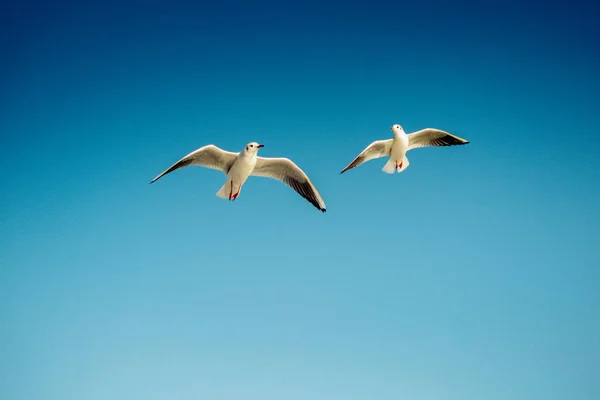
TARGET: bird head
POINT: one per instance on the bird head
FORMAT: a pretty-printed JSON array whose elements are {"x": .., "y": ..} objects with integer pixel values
[
  {"x": 397, "y": 128},
  {"x": 253, "y": 147}
]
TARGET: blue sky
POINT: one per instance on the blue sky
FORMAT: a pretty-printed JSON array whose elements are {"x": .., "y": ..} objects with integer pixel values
[{"x": 473, "y": 274}]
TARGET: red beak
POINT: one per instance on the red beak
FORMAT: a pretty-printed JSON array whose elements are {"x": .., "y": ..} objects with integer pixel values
[{"x": 260, "y": 145}]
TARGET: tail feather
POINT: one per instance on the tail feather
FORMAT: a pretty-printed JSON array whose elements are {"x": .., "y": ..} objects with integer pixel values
[
  {"x": 224, "y": 191},
  {"x": 405, "y": 164},
  {"x": 389, "y": 167}
]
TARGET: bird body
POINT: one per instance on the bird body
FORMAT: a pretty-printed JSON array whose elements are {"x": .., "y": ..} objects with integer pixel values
[
  {"x": 238, "y": 174},
  {"x": 238, "y": 167},
  {"x": 397, "y": 147},
  {"x": 398, "y": 152}
]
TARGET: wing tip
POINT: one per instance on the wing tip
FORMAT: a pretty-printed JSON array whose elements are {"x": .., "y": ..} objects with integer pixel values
[
  {"x": 348, "y": 168},
  {"x": 459, "y": 139}
]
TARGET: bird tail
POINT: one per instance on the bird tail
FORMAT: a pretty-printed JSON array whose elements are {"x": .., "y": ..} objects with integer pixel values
[
  {"x": 224, "y": 191},
  {"x": 405, "y": 164},
  {"x": 389, "y": 167}
]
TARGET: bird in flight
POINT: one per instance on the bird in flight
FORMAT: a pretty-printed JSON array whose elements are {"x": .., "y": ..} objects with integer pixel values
[
  {"x": 397, "y": 147},
  {"x": 239, "y": 166}
]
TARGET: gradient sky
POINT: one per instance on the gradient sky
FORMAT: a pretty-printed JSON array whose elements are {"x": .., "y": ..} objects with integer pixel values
[{"x": 474, "y": 274}]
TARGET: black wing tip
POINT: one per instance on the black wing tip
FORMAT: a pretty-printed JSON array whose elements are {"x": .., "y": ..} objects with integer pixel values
[
  {"x": 451, "y": 140},
  {"x": 317, "y": 206}
]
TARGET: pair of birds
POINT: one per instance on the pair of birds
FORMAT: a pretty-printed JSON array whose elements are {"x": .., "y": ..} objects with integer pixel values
[{"x": 238, "y": 167}]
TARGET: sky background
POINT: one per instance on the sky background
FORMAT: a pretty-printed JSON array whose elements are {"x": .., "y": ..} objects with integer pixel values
[{"x": 474, "y": 274}]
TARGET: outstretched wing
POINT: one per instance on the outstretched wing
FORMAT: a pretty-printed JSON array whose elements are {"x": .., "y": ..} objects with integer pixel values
[
  {"x": 208, "y": 156},
  {"x": 284, "y": 170},
  {"x": 433, "y": 137},
  {"x": 377, "y": 149}
]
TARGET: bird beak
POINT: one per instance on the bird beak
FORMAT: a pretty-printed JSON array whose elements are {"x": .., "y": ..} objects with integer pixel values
[{"x": 260, "y": 145}]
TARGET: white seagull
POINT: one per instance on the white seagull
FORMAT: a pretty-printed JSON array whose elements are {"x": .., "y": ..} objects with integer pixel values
[
  {"x": 238, "y": 167},
  {"x": 397, "y": 147}
]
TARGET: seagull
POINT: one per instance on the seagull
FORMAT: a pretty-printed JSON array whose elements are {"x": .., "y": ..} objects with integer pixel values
[
  {"x": 397, "y": 147},
  {"x": 238, "y": 167}
]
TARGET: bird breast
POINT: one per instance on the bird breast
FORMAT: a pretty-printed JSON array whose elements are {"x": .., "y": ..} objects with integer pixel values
[
  {"x": 399, "y": 146},
  {"x": 242, "y": 168}
]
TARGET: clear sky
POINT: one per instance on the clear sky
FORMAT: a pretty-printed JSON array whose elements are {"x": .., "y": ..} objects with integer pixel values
[{"x": 474, "y": 274}]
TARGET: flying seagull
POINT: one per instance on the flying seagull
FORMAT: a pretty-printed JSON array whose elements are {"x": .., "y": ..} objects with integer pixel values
[
  {"x": 238, "y": 167},
  {"x": 397, "y": 147}
]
